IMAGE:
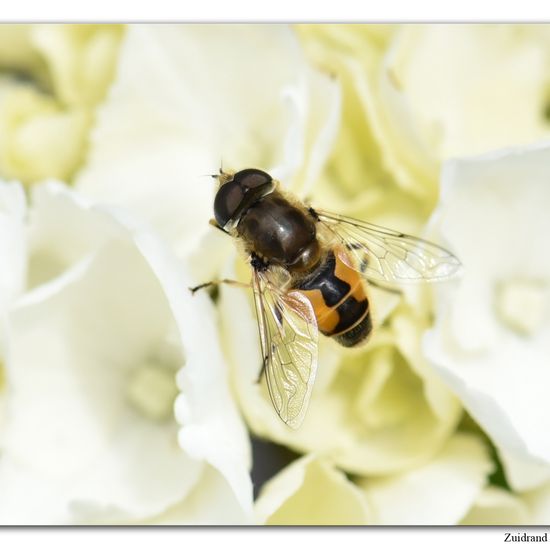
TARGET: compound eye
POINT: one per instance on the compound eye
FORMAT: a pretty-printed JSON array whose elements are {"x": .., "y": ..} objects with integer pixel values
[
  {"x": 236, "y": 196},
  {"x": 252, "y": 178},
  {"x": 227, "y": 201}
]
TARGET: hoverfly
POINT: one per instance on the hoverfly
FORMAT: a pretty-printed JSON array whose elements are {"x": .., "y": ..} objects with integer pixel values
[{"x": 310, "y": 270}]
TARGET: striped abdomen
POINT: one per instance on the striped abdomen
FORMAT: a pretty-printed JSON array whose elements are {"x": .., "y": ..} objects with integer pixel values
[{"x": 339, "y": 299}]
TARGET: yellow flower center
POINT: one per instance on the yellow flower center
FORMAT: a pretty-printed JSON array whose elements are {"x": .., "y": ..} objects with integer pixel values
[
  {"x": 522, "y": 304},
  {"x": 152, "y": 390}
]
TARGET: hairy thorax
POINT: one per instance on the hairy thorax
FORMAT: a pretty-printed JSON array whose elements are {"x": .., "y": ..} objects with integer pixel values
[{"x": 281, "y": 233}]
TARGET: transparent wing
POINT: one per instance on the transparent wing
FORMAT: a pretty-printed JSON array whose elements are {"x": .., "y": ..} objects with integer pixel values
[
  {"x": 385, "y": 255},
  {"x": 288, "y": 336}
]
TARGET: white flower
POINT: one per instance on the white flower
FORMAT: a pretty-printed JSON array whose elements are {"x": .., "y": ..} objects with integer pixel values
[
  {"x": 538, "y": 502},
  {"x": 13, "y": 254},
  {"x": 80, "y": 59},
  {"x": 435, "y": 96},
  {"x": 310, "y": 491},
  {"x": 444, "y": 491},
  {"x": 17, "y": 52},
  {"x": 417, "y": 95},
  {"x": 99, "y": 349},
  {"x": 491, "y": 342},
  {"x": 439, "y": 493},
  {"x": 443, "y": 79},
  {"x": 523, "y": 474},
  {"x": 45, "y": 116},
  {"x": 13, "y": 258},
  {"x": 39, "y": 138},
  {"x": 187, "y": 98},
  {"x": 496, "y": 506},
  {"x": 450, "y": 489},
  {"x": 74, "y": 63}
]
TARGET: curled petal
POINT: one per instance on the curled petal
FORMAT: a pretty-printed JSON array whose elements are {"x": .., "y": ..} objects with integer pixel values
[
  {"x": 97, "y": 391},
  {"x": 310, "y": 491},
  {"x": 491, "y": 339},
  {"x": 438, "y": 493}
]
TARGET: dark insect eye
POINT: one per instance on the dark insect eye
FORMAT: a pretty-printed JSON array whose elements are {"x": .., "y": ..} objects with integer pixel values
[
  {"x": 236, "y": 196},
  {"x": 251, "y": 178},
  {"x": 227, "y": 201}
]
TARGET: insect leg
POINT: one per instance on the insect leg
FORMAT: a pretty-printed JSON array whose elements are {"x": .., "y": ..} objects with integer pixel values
[
  {"x": 313, "y": 213},
  {"x": 262, "y": 371},
  {"x": 391, "y": 289},
  {"x": 217, "y": 282}
]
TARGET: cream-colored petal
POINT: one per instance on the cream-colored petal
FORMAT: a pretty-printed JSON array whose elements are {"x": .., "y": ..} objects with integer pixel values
[
  {"x": 13, "y": 211},
  {"x": 439, "y": 493},
  {"x": 311, "y": 139},
  {"x": 494, "y": 218},
  {"x": 417, "y": 95},
  {"x": 80, "y": 59},
  {"x": 446, "y": 77},
  {"x": 39, "y": 138},
  {"x": 64, "y": 228},
  {"x": 211, "y": 428},
  {"x": 524, "y": 475},
  {"x": 310, "y": 491},
  {"x": 18, "y": 54},
  {"x": 377, "y": 146},
  {"x": 68, "y": 381},
  {"x": 538, "y": 502},
  {"x": 495, "y": 506},
  {"x": 89, "y": 347},
  {"x": 212, "y": 502},
  {"x": 13, "y": 252}
]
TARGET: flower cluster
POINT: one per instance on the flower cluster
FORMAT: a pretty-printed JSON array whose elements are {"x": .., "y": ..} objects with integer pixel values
[{"x": 125, "y": 399}]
